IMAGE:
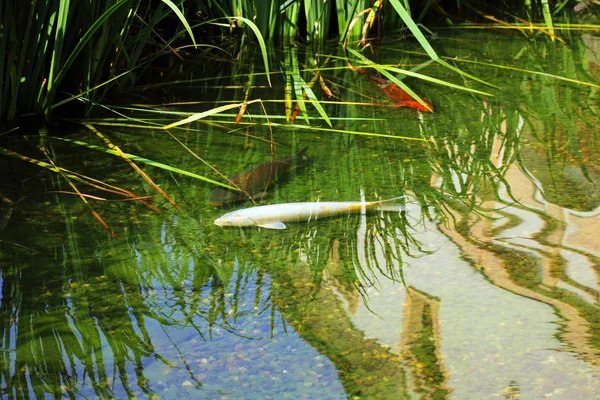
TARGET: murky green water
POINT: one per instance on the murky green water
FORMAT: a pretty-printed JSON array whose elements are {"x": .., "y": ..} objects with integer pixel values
[{"x": 487, "y": 287}]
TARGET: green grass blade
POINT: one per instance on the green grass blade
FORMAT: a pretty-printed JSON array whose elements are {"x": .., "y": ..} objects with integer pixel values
[
  {"x": 425, "y": 43},
  {"x": 526, "y": 71},
  {"x": 341, "y": 17},
  {"x": 314, "y": 101},
  {"x": 261, "y": 42},
  {"x": 402, "y": 85},
  {"x": 348, "y": 132},
  {"x": 297, "y": 83},
  {"x": 148, "y": 162},
  {"x": 290, "y": 22},
  {"x": 434, "y": 80},
  {"x": 386, "y": 69},
  {"x": 59, "y": 39},
  {"x": 207, "y": 113},
  {"x": 182, "y": 19},
  {"x": 548, "y": 18}
]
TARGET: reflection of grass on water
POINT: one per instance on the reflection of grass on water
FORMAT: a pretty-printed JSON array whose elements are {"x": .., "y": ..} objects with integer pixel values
[
  {"x": 62, "y": 344},
  {"x": 365, "y": 368},
  {"x": 552, "y": 142},
  {"x": 82, "y": 326}
]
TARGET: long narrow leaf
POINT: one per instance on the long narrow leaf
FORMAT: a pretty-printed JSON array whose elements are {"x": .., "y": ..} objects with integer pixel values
[
  {"x": 133, "y": 165},
  {"x": 148, "y": 161},
  {"x": 59, "y": 39},
  {"x": 208, "y": 113},
  {"x": 548, "y": 18},
  {"x": 412, "y": 74},
  {"x": 261, "y": 42},
  {"x": 182, "y": 19},
  {"x": 349, "y": 132},
  {"x": 315, "y": 102},
  {"x": 425, "y": 43},
  {"x": 297, "y": 82}
]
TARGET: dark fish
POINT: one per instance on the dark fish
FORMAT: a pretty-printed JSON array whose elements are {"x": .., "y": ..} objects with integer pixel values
[{"x": 254, "y": 182}]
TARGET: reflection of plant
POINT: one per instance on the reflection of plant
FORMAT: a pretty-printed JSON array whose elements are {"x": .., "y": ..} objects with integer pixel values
[
  {"x": 364, "y": 366},
  {"x": 87, "y": 330},
  {"x": 60, "y": 341},
  {"x": 562, "y": 122},
  {"x": 541, "y": 133}
]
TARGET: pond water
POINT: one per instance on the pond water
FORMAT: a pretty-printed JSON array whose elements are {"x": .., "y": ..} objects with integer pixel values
[{"x": 487, "y": 286}]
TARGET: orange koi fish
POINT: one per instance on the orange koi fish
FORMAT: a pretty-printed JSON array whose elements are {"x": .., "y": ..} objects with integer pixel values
[{"x": 396, "y": 93}]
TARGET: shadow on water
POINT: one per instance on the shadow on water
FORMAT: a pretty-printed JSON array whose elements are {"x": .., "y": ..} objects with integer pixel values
[{"x": 487, "y": 286}]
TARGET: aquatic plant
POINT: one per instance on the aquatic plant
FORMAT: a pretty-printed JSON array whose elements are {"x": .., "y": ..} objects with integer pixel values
[{"x": 122, "y": 38}]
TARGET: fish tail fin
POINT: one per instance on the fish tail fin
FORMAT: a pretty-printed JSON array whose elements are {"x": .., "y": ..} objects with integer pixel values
[
  {"x": 300, "y": 155},
  {"x": 394, "y": 205},
  {"x": 300, "y": 159}
]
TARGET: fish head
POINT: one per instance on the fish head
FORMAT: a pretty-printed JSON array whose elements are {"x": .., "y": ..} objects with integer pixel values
[
  {"x": 420, "y": 107},
  {"x": 235, "y": 219}
]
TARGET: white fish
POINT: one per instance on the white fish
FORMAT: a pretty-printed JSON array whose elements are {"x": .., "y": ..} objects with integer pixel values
[{"x": 273, "y": 216}]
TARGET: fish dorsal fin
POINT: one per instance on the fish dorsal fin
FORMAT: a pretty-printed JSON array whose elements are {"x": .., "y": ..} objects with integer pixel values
[{"x": 273, "y": 225}]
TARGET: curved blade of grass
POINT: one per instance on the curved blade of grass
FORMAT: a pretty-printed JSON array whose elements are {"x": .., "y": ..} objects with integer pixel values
[
  {"x": 413, "y": 74},
  {"x": 548, "y": 18},
  {"x": 147, "y": 161},
  {"x": 368, "y": 25},
  {"x": 95, "y": 183},
  {"x": 314, "y": 101},
  {"x": 181, "y": 18},
  {"x": 261, "y": 42},
  {"x": 425, "y": 44},
  {"x": 354, "y": 21},
  {"x": 137, "y": 169},
  {"x": 207, "y": 113}
]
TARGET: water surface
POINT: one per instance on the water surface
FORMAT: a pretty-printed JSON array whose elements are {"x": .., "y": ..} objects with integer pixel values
[{"x": 487, "y": 287}]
